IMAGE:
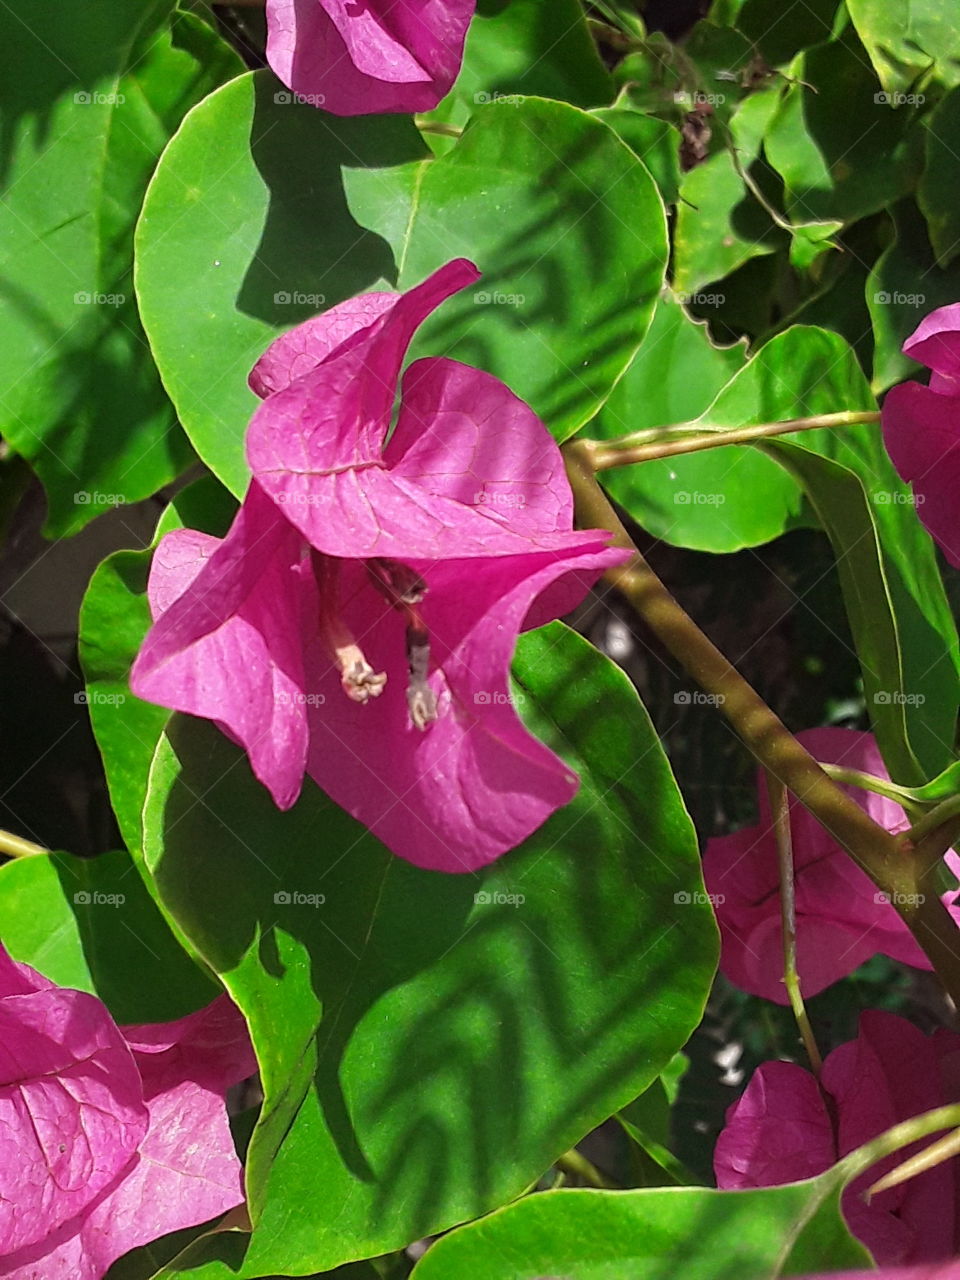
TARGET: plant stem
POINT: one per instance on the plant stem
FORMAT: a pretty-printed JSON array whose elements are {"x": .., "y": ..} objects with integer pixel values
[
  {"x": 573, "y": 1162},
  {"x": 886, "y": 858},
  {"x": 870, "y": 782},
  {"x": 691, "y": 437},
  {"x": 780, "y": 808},
  {"x": 16, "y": 847},
  {"x": 936, "y": 818}
]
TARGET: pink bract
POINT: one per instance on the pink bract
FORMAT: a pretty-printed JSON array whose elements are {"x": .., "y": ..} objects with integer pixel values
[
  {"x": 363, "y": 563},
  {"x": 109, "y": 1137},
  {"x": 921, "y": 427},
  {"x": 786, "y": 1127},
  {"x": 842, "y": 920},
  {"x": 358, "y": 57}
]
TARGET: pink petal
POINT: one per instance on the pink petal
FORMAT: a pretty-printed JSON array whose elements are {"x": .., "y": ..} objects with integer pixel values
[
  {"x": 210, "y": 1048},
  {"x": 71, "y": 1109},
  {"x": 186, "y": 1173},
  {"x": 228, "y": 644},
  {"x": 921, "y": 431},
  {"x": 936, "y": 343},
  {"x": 371, "y": 57},
  {"x": 475, "y": 783},
  {"x": 463, "y": 435},
  {"x": 888, "y": 1074},
  {"x": 779, "y": 1131},
  {"x": 939, "y": 1271},
  {"x": 337, "y": 415},
  {"x": 300, "y": 350},
  {"x": 841, "y": 919}
]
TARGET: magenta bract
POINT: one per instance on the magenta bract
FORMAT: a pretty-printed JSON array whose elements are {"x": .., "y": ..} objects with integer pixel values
[
  {"x": 842, "y": 920},
  {"x": 359, "y": 619},
  {"x": 358, "y": 57},
  {"x": 787, "y": 1127},
  {"x": 110, "y": 1137},
  {"x": 921, "y": 427}
]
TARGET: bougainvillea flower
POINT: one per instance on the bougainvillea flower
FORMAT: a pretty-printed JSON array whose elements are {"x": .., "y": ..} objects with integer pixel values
[
  {"x": 921, "y": 427},
  {"x": 110, "y": 1137},
  {"x": 842, "y": 920},
  {"x": 787, "y": 1127},
  {"x": 357, "y": 57},
  {"x": 359, "y": 618}
]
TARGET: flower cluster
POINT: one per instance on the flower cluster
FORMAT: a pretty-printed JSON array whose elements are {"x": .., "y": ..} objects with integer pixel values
[
  {"x": 111, "y": 1136},
  {"x": 362, "y": 601}
]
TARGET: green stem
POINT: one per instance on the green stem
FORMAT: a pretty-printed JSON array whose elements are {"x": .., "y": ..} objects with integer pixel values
[
  {"x": 643, "y": 446},
  {"x": 881, "y": 786},
  {"x": 937, "y": 817},
  {"x": 437, "y": 126},
  {"x": 16, "y": 847},
  {"x": 573, "y": 1162},
  {"x": 780, "y": 808},
  {"x": 901, "y": 1135},
  {"x": 886, "y": 858}
]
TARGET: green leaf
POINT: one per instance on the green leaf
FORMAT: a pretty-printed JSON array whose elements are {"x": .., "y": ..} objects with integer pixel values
[
  {"x": 779, "y": 33},
  {"x": 905, "y": 285},
  {"x": 653, "y": 141},
  {"x": 89, "y": 924},
  {"x": 676, "y": 374},
  {"x": 937, "y": 193},
  {"x": 842, "y": 149},
  {"x": 907, "y": 39},
  {"x": 654, "y": 1235},
  {"x": 531, "y": 1019},
  {"x": 90, "y": 93},
  {"x": 523, "y": 47},
  {"x": 720, "y": 225},
  {"x": 569, "y": 231},
  {"x": 903, "y": 630},
  {"x": 245, "y": 230}
]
